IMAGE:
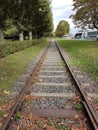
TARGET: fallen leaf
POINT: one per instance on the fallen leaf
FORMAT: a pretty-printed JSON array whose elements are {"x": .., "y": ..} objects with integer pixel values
[
  {"x": 40, "y": 80},
  {"x": 6, "y": 92},
  {"x": 30, "y": 97},
  {"x": 0, "y": 108},
  {"x": 30, "y": 116},
  {"x": 76, "y": 116},
  {"x": 5, "y": 115},
  {"x": 74, "y": 128},
  {"x": 1, "y": 65},
  {"x": 89, "y": 98},
  {"x": 0, "y": 123}
]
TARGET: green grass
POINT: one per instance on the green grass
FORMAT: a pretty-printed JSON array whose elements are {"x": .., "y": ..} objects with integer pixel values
[
  {"x": 84, "y": 54},
  {"x": 14, "y": 65},
  {"x": 18, "y": 116},
  {"x": 79, "y": 106}
]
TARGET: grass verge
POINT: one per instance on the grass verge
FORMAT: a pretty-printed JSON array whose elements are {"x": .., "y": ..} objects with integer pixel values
[
  {"x": 84, "y": 54},
  {"x": 12, "y": 66}
]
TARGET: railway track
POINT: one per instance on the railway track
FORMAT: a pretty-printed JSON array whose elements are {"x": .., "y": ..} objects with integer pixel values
[{"x": 52, "y": 98}]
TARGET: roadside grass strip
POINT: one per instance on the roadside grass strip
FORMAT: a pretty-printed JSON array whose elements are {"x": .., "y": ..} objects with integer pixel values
[
  {"x": 14, "y": 65},
  {"x": 83, "y": 54}
]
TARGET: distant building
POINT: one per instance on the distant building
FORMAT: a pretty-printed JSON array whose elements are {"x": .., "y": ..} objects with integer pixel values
[{"x": 89, "y": 35}]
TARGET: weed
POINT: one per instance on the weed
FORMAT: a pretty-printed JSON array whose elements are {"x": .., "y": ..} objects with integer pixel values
[
  {"x": 79, "y": 106},
  {"x": 2, "y": 113},
  {"x": 49, "y": 122},
  {"x": 18, "y": 116},
  {"x": 97, "y": 92},
  {"x": 96, "y": 101},
  {"x": 61, "y": 127}
]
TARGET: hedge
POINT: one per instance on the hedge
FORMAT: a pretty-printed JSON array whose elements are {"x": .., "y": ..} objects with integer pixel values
[{"x": 10, "y": 47}]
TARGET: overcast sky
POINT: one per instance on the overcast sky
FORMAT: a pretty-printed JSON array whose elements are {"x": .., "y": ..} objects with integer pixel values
[{"x": 62, "y": 9}]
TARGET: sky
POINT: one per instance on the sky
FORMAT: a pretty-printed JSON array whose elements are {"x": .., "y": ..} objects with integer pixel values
[{"x": 62, "y": 9}]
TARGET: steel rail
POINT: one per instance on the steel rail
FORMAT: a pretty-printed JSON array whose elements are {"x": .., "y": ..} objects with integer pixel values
[
  {"x": 87, "y": 105},
  {"x": 11, "y": 116}
]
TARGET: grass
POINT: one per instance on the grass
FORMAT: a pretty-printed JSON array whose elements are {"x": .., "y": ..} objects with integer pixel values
[
  {"x": 18, "y": 116},
  {"x": 12, "y": 66},
  {"x": 79, "y": 106},
  {"x": 84, "y": 54}
]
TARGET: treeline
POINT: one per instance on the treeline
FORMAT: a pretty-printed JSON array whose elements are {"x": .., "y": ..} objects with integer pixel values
[{"x": 30, "y": 17}]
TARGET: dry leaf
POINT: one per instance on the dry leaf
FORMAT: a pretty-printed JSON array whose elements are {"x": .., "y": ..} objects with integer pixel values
[
  {"x": 76, "y": 116},
  {"x": 6, "y": 92},
  {"x": 5, "y": 115},
  {"x": 0, "y": 108},
  {"x": 30, "y": 116},
  {"x": 0, "y": 123},
  {"x": 89, "y": 98},
  {"x": 74, "y": 128},
  {"x": 40, "y": 80},
  {"x": 30, "y": 97}
]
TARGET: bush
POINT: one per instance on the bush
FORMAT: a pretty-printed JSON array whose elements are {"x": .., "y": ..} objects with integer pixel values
[{"x": 10, "y": 47}]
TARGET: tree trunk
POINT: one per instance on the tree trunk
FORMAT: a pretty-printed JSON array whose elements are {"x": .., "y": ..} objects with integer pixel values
[
  {"x": 1, "y": 36},
  {"x": 30, "y": 35},
  {"x": 95, "y": 25},
  {"x": 36, "y": 36},
  {"x": 21, "y": 38}
]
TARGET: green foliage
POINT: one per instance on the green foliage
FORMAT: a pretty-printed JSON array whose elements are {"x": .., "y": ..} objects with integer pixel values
[
  {"x": 10, "y": 31},
  {"x": 86, "y": 13},
  {"x": 12, "y": 47},
  {"x": 3, "y": 13},
  {"x": 10, "y": 28},
  {"x": 62, "y": 28},
  {"x": 18, "y": 116},
  {"x": 31, "y": 15},
  {"x": 2, "y": 114},
  {"x": 49, "y": 122},
  {"x": 61, "y": 127},
  {"x": 96, "y": 102},
  {"x": 79, "y": 106},
  {"x": 42, "y": 24}
]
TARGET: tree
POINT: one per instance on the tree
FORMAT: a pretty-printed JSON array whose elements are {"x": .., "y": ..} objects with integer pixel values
[
  {"x": 86, "y": 13},
  {"x": 19, "y": 10},
  {"x": 43, "y": 22},
  {"x": 32, "y": 16},
  {"x": 14, "y": 10},
  {"x": 36, "y": 18},
  {"x": 4, "y": 12},
  {"x": 62, "y": 28}
]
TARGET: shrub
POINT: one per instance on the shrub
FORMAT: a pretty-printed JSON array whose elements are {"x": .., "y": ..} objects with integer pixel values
[{"x": 10, "y": 47}]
